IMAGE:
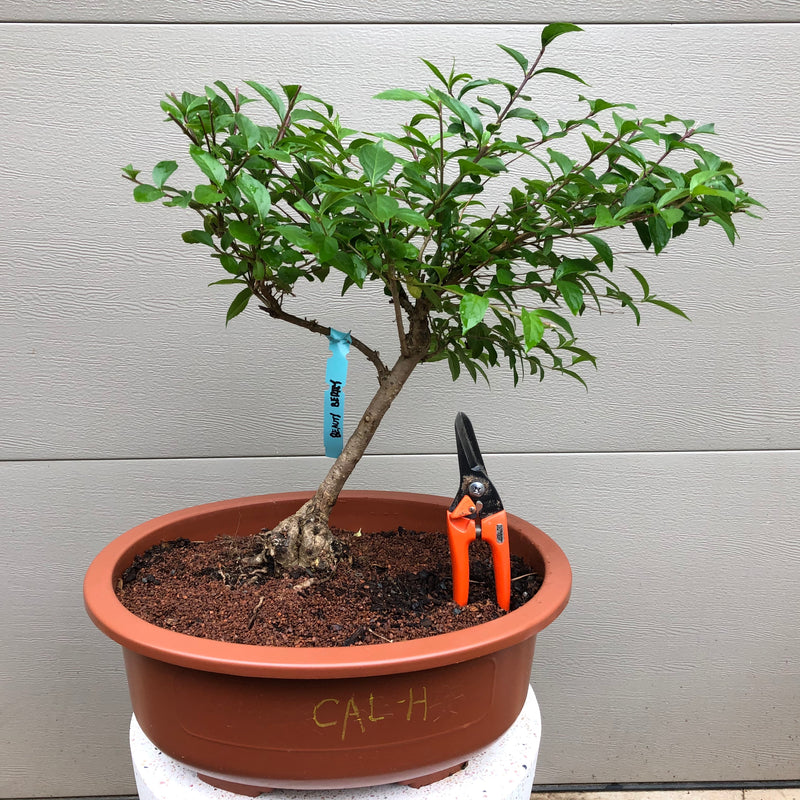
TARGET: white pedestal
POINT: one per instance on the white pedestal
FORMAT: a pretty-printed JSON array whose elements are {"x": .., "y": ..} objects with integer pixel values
[{"x": 504, "y": 771}]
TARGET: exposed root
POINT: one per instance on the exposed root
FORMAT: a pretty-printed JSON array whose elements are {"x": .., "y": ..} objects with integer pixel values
[
  {"x": 301, "y": 543},
  {"x": 303, "y": 585}
]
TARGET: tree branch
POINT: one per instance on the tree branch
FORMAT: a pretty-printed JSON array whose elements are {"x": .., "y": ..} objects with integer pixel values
[
  {"x": 275, "y": 310},
  {"x": 398, "y": 314}
]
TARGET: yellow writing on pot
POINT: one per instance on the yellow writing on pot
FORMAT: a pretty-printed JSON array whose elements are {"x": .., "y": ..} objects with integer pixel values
[{"x": 346, "y": 715}]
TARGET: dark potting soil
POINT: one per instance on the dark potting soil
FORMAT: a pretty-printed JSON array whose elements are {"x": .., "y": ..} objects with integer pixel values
[{"x": 388, "y": 587}]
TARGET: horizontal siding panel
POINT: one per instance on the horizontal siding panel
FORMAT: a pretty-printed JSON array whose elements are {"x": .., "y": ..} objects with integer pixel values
[
  {"x": 113, "y": 346},
  {"x": 677, "y": 658},
  {"x": 383, "y": 11}
]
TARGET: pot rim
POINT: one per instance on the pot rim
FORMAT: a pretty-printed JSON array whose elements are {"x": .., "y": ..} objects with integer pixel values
[{"x": 134, "y": 633}]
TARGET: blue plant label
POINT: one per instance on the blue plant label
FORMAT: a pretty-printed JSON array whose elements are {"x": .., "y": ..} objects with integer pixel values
[{"x": 335, "y": 377}]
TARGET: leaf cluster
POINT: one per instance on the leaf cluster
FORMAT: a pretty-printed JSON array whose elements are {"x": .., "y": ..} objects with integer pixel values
[{"x": 294, "y": 196}]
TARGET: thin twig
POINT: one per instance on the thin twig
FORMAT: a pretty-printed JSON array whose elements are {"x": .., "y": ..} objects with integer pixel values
[
  {"x": 375, "y": 633},
  {"x": 253, "y": 616}
]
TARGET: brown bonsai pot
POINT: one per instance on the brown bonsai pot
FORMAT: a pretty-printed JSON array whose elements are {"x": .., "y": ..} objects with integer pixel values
[{"x": 330, "y": 717}]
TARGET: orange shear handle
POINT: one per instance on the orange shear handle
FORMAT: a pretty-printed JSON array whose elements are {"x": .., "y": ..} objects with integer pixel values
[{"x": 460, "y": 534}]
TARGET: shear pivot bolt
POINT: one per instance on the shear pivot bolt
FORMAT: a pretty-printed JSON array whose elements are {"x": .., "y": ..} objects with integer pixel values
[{"x": 477, "y": 489}]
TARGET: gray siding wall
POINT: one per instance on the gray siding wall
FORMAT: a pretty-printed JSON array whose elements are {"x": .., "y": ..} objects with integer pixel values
[{"x": 671, "y": 484}]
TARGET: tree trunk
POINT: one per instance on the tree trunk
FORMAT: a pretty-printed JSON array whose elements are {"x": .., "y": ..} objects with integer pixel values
[{"x": 304, "y": 540}]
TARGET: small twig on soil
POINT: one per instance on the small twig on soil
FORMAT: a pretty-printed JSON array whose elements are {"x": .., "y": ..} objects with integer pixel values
[
  {"x": 520, "y": 577},
  {"x": 253, "y": 616},
  {"x": 375, "y": 633}
]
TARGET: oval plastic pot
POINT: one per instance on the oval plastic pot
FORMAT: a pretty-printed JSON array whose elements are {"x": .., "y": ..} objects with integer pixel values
[{"x": 330, "y": 717}]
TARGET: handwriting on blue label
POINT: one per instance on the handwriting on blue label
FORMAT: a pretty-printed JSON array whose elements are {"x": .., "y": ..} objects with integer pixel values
[{"x": 335, "y": 377}]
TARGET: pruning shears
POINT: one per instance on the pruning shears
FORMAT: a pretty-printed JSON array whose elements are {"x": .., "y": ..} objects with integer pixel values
[{"x": 476, "y": 513}]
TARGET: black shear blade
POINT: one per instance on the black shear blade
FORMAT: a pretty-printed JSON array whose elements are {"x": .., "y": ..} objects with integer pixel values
[
  {"x": 470, "y": 459},
  {"x": 470, "y": 464}
]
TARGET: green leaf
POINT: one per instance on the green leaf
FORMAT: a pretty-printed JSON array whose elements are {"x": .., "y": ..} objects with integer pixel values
[
  {"x": 556, "y": 29},
  {"x": 668, "y": 306},
  {"x": 726, "y": 223},
  {"x": 182, "y": 200},
  {"x": 565, "y": 163},
  {"x": 197, "y": 237},
  {"x": 642, "y": 281},
  {"x": 603, "y": 249},
  {"x": 462, "y": 111},
  {"x": 130, "y": 171},
  {"x": 230, "y": 264},
  {"x": 162, "y": 171},
  {"x": 239, "y": 304},
  {"x": 517, "y": 56},
  {"x": 228, "y": 282},
  {"x": 435, "y": 70},
  {"x": 679, "y": 228},
  {"x": 327, "y": 247},
  {"x": 563, "y": 72},
  {"x": 296, "y": 236},
  {"x": 643, "y": 229},
  {"x": 505, "y": 277},
  {"x": 375, "y": 161},
  {"x": 671, "y": 196},
  {"x": 454, "y": 364},
  {"x": 604, "y": 219},
  {"x": 573, "y": 266},
  {"x": 382, "y": 207},
  {"x": 659, "y": 233},
  {"x": 572, "y": 294},
  {"x": 597, "y": 105},
  {"x": 412, "y": 218},
  {"x": 243, "y": 232},
  {"x": 209, "y": 165},
  {"x": 472, "y": 85},
  {"x": 270, "y": 96},
  {"x": 532, "y": 328},
  {"x": 639, "y": 196},
  {"x": 557, "y": 319},
  {"x": 291, "y": 90},
  {"x": 489, "y": 166},
  {"x": 671, "y": 216},
  {"x": 228, "y": 92},
  {"x": 489, "y": 102},
  {"x": 144, "y": 193},
  {"x": 472, "y": 309},
  {"x": 596, "y": 147},
  {"x": 255, "y": 192},
  {"x": 251, "y": 131},
  {"x": 208, "y": 195},
  {"x": 314, "y": 99},
  {"x": 172, "y": 111},
  {"x": 526, "y": 113},
  {"x": 494, "y": 164},
  {"x": 405, "y": 95},
  {"x": 711, "y": 191},
  {"x": 352, "y": 266},
  {"x": 304, "y": 207}
]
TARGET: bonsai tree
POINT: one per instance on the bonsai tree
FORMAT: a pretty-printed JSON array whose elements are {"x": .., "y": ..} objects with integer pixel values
[{"x": 490, "y": 227}]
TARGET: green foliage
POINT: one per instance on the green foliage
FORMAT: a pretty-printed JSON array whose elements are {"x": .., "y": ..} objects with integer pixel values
[{"x": 287, "y": 194}]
